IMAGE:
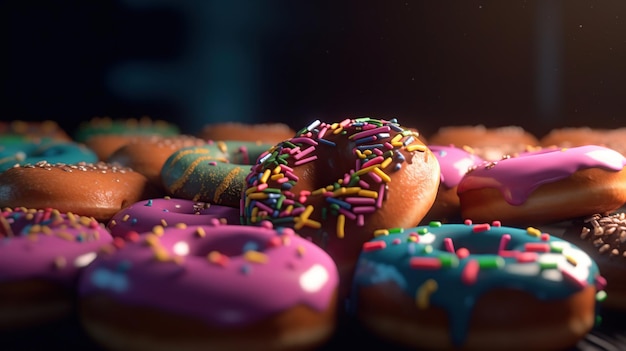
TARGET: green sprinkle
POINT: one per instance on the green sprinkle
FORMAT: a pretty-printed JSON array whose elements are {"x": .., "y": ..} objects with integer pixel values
[
  {"x": 428, "y": 249},
  {"x": 490, "y": 262},
  {"x": 556, "y": 248},
  {"x": 422, "y": 231},
  {"x": 548, "y": 265},
  {"x": 449, "y": 261},
  {"x": 434, "y": 224},
  {"x": 601, "y": 296}
]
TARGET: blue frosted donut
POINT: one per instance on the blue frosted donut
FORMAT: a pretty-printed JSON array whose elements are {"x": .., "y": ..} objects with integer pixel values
[
  {"x": 21, "y": 150},
  {"x": 446, "y": 273}
]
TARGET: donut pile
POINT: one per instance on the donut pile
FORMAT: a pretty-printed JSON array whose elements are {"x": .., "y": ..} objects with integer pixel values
[{"x": 267, "y": 238}]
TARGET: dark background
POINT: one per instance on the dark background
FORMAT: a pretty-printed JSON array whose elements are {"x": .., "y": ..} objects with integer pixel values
[{"x": 537, "y": 64}]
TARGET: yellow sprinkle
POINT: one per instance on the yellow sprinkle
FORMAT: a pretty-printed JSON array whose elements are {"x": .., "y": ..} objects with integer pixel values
[
  {"x": 412, "y": 238},
  {"x": 338, "y": 130},
  {"x": 258, "y": 196},
  {"x": 222, "y": 146},
  {"x": 151, "y": 239},
  {"x": 126, "y": 217},
  {"x": 300, "y": 250},
  {"x": 84, "y": 220},
  {"x": 320, "y": 191},
  {"x": 276, "y": 170},
  {"x": 255, "y": 256},
  {"x": 60, "y": 262},
  {"x": 359, "y": 154},
  {"x": 112, "y": 223},
  {"x": 180, "y": 225},
  {"x": 277, "y": 176},
  {"x": 160, "y": 254},
  {"x": 367, "y": 169},
  {"x": 71, "y": 217},
  {"x": 533, "y": 231},
  {"x": 367, "y": 152},
  {"x": 416, "y": 147},
  {"x": 265, "y": 176},
  {"x": 382, "y": 174},
  {"x": 200, "y": 232},
  {"x": 380, "y": 232},
  {"x": 347, "y": 191},
  {"x": 163, "y": 222},
  {"x": 368, "y": 193},
  {"x": 396, "y": 139},
  {"x": 386, "y": 162},
  {"x": 65, "y": 236},
  {"x": 422, "y": 298},
  {"x": 341, "y": 223},
  {"x": 158, "y": 230},
  {"x": 571, "y": 260}
]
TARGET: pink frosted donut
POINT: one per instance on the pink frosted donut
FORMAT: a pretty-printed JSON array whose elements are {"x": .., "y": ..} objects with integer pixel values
[
  {"x": 145, "y": 215},
  {"x": 41, "y": 254},
  {"x": 213, "y": 287},
  {"x": 544, "y": 186},
  {"x": 454, "y": 163}
]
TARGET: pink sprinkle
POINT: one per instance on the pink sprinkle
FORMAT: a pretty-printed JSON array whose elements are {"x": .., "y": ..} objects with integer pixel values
[
  {"x": 346, "y": 179},
  {"x": 526, "y": 257},
  {"x": 425, "y": 263},
  {"x": 504, "y": 241},
  {"x": 468, "y": 222},
  {"x": 600, "y": 282},
  {"x": 545, "y": 237},
  {"x": 291, "y": 175},
  {"x": 275, "y": 241},
  {"x": 348, "y": 214},
  {"x": 363, "y": 184},
  {"x": 375, "y": 177},
  {"x": 374, "y": 246},
  {"x": 345, "y": 122},
  {"x": 496, "y": 224},
  {"x": 282, "y": 180},
  {"x": 304, "y": 152},
  {"x": 478, "y": 228},
  {"x": 462, "y": 253},
  {"x": 263, "y": 207},
  {"x": 364, "y": 209},
  {"x": 297, "y": 211},
  {"x": 288, "y": 202},
  {"x": 305, "y": 160},
  {"x": 388, "y": 145},
  {"x": 509, "y": 253},
  {"x": 448, "y": 244},
  {"x": 322, "y": 132},
  {"x": 396, "y": 241},
  {"x": 353, "y": 200},
  {"x": 537, "y": 247},
  {"x": 469, "y": 275},
  {"x": 381, "y": 196},
  {"x": 378, "y": 151},
  {"x": 212, "y": 163},
  {"x": 375, "y": 160},
  {"x": 292, "y": 151},
  {"x": 261, "y": 187},
  {"x": 360, "y": 220}
]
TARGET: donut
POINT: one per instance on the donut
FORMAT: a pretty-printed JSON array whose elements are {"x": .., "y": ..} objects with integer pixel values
[
  {"x": 146, "y": 215},
  {"x": 213, "y": 173},
  {"x": 454, "y": 163},
  {"x": 475, "y": 287},
  {"x": 545, "y": 186},
  {"x": 42, "y": 252},
  {"x": 34, "y": 130},
  {"x": 490, "y": 144},
  {"x": 147, "y": 154},
  {"x": 104, "y": 135},
  {"x": 21, "y": 150},
  {"x": 580, "y": 136},
  {"x": 265, "y": 133},
  {"x": 96, "y": 190},
  {"x": 336, "y": 183},
  {"x": 220, "y": 287},
  {"x": 603, "y": 237}
]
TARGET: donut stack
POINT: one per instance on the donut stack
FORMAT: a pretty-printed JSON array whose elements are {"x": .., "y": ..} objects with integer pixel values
[{"x": 268, "y": 238}]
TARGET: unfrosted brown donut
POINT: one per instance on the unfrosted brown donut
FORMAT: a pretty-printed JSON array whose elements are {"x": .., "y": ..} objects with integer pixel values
[
  {"x": 267, "y": 133},
  {"x": 147, "y": 154},
  {"x": 96, "y": 190},
  {"x": 579, "y": 136}
]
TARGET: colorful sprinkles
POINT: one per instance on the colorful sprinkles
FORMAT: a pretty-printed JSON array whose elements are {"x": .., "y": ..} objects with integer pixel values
[{"x": 379, "y": 147}]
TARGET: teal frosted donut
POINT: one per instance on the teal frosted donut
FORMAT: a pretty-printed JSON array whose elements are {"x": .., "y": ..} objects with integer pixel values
[
  {"x": 21, "y": 150},
  {"x": 460, "y": 285},
  {"x": 213, "y": 173}
]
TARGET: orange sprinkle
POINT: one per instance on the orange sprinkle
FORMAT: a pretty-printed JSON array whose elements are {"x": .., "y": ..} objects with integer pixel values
[{"x": 255, "y": 256}]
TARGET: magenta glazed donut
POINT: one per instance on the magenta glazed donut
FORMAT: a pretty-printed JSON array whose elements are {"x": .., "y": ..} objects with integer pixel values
[
  {"x": 213, "y": 287},
  {"x": 41, "y": 254},
  {"x": 159, "y": 213}
]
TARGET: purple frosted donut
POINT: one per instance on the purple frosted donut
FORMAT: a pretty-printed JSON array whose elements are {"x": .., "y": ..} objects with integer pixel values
[
  {"x": 145, "y": 215},
  {"x": 41, "y": 254},
  {"x": 212, "y": 287}
]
